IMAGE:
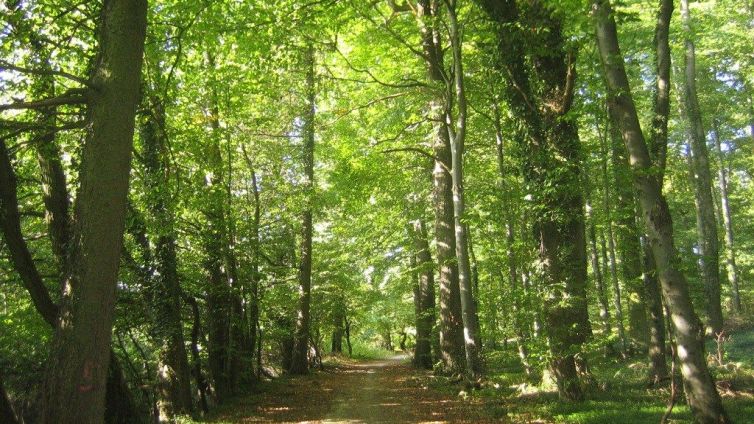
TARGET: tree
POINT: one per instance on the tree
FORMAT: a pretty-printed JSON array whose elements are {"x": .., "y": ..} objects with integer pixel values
[
  {"x": 701, "y": 392},
  {"x": 452, "y": 344},
  {"x": 300, "y": 356},
  {"x": 551, "y": 158},
  {"x": 75, "y": 388},
  {"x": 705, "y": 207}
]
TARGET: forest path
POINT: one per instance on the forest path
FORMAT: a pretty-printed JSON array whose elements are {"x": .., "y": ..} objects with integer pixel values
[{"x": 385, "y": 391}]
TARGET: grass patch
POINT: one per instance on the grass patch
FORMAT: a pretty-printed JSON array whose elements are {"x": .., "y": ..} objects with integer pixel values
[
  {"x": 620, "y": 395},
  {"x": 366, "y": 351}
]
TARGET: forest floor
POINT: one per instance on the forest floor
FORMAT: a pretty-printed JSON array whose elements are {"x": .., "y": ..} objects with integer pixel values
[
  {"x": 375, "y": 391},
  {"x": 391, "y": 391}
]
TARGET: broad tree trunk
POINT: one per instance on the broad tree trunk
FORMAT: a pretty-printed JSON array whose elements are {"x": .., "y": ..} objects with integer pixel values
[
  {"x": 299, "y": 357},
  {"x": 551, "y": 154},
  {"x": 78, "y": 365},
  {"x": 700, "y": 389},
  {"x": 32, "y": 280},
  {"x": 705, "y": 205},
  {"x": 730, "y": 257}
]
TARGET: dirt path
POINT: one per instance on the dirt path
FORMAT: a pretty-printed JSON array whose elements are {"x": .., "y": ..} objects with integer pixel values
[{"x": 387, "y": 391}]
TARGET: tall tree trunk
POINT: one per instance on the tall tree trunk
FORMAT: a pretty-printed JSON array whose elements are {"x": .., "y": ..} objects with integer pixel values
[
  {"x": 705, "y": 205},
  {"x": 457, "y": 138},
  {"x": 24, "y": 264},
  {"x": 299, "y": 359},
  {"x": 75, "y": 384},
  {"x": 609, "y": 252},
  {"x": 730, "y": 257},
  {"x": 54, "y": 186},
  {"x": 628, "y": 242},
  {"x": 656, "y": 349},
  {"x": 425, "y": 294},
  {"x": 551, "y": 158},
  {"x": 214, "y": 245},
  {"x": 597, "y": 270},
  {"x": 240, "y": 365},
  {"x": 700, "y": 389},
  {"x": 608, "y": 257},
  {"x": 348, "y": 335},
  {"x": 509, "y": 209},
  {"x": 202, "y": 387},
  {"x": 255, "y": 255},
  {"x": 20, "y": 255},
  {"x": 658, "y": 145},
  {"x": 451, "y": 321},
  {"x": 174, "y": 385},
  {"x": 339, "y": 317}
]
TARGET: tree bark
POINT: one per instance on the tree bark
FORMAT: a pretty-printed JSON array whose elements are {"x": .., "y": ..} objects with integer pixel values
[
  {"x": 705, "y": 205},
  {"x": 299, "y": 359},
  {"x": 75, "y": 385},
  {"x": 510, "y": 210},
  {"x": 701, "y": 392},
  {"x": 202, "y": 387},
  {"x": 255, "y": 254},
  {"x": 656, "y": 349},
  {"x": 54, "y": 188},
  {"x": 23, "y": 264},
  {"x": 608, "y": 257}
]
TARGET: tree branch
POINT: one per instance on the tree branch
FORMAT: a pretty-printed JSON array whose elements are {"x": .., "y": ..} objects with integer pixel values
[
  {"x": 11, "y": 67},
  {"x": 71, "y": 97}
]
